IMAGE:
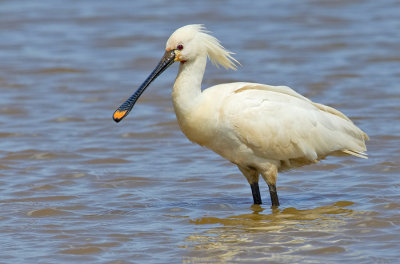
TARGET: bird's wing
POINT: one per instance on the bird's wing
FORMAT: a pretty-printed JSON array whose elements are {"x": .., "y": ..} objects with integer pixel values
[
  {"x": 242, "y": 87},
  {"x": 278, "y": 123}
]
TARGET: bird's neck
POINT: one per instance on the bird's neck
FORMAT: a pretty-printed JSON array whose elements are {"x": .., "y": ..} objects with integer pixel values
[{"x": 187, "y": 87}]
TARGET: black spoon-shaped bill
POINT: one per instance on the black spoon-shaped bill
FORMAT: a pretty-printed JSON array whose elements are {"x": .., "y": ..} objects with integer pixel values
[{"x": 126, "y": 107}]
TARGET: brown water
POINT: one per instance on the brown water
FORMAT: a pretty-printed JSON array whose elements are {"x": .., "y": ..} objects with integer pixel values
[{"x": 76, "y": 187}]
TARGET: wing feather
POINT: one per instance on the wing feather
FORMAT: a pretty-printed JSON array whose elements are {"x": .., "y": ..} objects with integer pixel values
[{"x": 278, "y": 123}]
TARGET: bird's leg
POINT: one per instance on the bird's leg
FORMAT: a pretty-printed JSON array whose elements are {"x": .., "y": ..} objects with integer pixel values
[
  {"x": 255, "y": 190},
  {"x": 270, "y": 175},
  {"x": 274, "y": 194},
  {"x": 251, "y": 175}
]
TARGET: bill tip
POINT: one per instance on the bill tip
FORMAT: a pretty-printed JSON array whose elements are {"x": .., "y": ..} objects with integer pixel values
[{"x": 118, "y": 115}]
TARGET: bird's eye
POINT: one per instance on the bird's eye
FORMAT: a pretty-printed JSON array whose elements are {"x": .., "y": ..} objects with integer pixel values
[{"x": 180, "y": 47}]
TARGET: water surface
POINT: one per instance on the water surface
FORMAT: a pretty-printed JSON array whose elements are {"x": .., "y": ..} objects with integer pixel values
[{"x": 76, "y": 187}]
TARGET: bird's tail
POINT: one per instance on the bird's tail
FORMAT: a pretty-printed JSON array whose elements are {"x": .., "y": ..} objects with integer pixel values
[{"x": 356, "y": 153}]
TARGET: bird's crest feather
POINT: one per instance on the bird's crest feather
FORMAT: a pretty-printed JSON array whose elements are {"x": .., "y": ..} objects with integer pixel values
[{"x": 217, "y": 54}]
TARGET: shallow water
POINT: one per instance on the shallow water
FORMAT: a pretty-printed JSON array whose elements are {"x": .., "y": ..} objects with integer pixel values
[{"x": 75, "y": 186}]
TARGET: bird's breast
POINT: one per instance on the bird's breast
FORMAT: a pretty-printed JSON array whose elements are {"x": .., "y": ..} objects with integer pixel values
[{"x": 197, "y": 126}]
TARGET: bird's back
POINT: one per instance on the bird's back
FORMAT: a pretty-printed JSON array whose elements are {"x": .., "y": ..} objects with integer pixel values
[{"x": 277, "y": 124}]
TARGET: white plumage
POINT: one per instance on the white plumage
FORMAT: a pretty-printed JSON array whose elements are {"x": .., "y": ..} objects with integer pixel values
[{"x": 262, "y": 129}]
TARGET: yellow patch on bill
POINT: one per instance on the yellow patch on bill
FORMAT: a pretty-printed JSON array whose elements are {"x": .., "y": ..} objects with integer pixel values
[{"x": 119, "y": 114}]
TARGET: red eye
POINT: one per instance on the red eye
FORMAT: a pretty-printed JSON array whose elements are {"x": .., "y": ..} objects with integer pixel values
[{"x": 180, "y": 47}]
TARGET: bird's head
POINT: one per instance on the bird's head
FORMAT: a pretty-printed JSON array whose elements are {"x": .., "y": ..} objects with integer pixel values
[
  {"x": 184, "y": 45},
  {"x": 191, "y": 41}
]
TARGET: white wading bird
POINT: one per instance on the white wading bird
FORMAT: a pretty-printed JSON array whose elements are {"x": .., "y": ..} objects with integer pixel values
[{"x": 262, "y": 129}]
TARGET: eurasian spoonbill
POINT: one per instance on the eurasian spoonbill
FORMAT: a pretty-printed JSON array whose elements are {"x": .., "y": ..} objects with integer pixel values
[{"x": 262, "y": 129}]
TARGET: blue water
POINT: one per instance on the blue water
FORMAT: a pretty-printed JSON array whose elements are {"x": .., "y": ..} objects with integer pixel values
[{"x": 76, "y": 187}]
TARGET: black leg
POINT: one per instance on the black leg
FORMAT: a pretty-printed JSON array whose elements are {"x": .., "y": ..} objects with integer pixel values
[
  {"x": 255, "y": 190},
  {"x": 274, "y": 195}
]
